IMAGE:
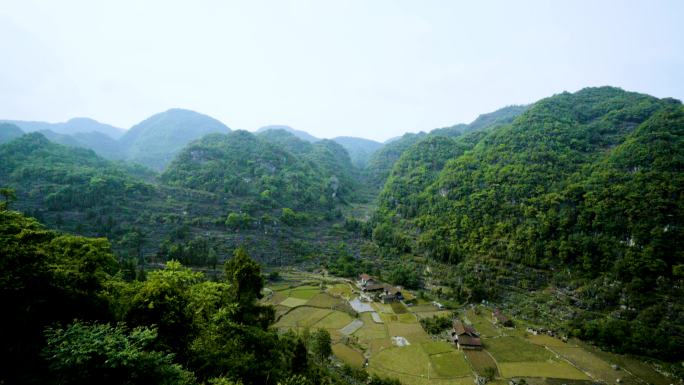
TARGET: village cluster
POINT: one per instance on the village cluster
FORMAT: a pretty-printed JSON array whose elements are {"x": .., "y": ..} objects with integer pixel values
[{"x": 463, "y": 336}]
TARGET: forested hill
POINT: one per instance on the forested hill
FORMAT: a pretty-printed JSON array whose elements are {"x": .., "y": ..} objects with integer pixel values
[
  {"x": 381, "y": 161},
  {"x": 242, "y": 164},
  {"x": 327, "y": 157},
  {"x": 192, "y": 220},
  {"x": 155, "y": 141},
  {"x": 77, "y": 316},
  {"x": 587, "y": 187}
]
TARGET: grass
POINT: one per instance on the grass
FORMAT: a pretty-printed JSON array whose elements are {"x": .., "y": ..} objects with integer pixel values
[
  {"x": 407, "y": 318},
  {"x": 544, "y": 340},
  {"x": 482, "y": 323},
  {"x": 634, "y": 365},
  {"x": 348, "y": 355},
  {"x": 379, "y": 344},
  {"x": 480, "y": 360},
  {"x": 430, "y": 314},
  {"x": 551, "y": 369},
  {"x": 323, "y": 300},
  {"x": 513, "y": 349},
  {"x": 423, "y": 308},
  {"x": 334, "y": 320},
  {"x": 293, "y": 302},
  {"x": 411, "y": 360},
  {"x": 398, "y": 308},
  {"x": 437, "y": 347},
  {"x": 277, "y": 297},
  {"x": 593, "y": 365},
  {"x": 451, "y": 364},
  {"x": 341, "y": 290},
  {"x": 382, "y": 308},
  {"x": 302, "y": 317},
  {"x": 370, "y": 329},
  {"x": 305, "y": 292},
  {"x": 414, "y": 333}
]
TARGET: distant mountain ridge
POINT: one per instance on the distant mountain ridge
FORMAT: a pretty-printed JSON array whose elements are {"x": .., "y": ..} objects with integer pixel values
[{"x": 70, "y": 127}]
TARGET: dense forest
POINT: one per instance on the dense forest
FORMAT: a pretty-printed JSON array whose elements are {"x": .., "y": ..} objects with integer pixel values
[
  {"x": 573, "y": 205},
  {"x": 77, "y": 317},
  {"x": 586, "y": 187}
]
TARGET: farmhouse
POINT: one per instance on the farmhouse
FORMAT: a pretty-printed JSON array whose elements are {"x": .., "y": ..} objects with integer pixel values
[
  {"x": 465, "y": 337},
  {"x": 363, "y": 278},
  {"x": 391, "y": 294},
  {"x": 501, "y": 319},
  {"x": 371, "y": 287}
]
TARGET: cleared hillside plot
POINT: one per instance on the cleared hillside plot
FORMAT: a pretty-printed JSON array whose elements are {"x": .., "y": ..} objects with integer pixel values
[
  {"x": 450, "y": 364},
  {"x": 633, "y": 365},
  {"x": 293, "y": 302},
  {"x": 480, "y": 361},
  {"x": 412, "y": 365},
  {"x": 341, "y": 290},
  {"x": 437, "y": 347},
  {"x": 398, "y": 308},
  {"x": 550, "y": 369},
  {"x": 411, "y": 360},
  {"x": 334, "y": 320},
  {"x": 513, "y": 349},
  {"x": 370, "y": 330},
  {"x": 382, "y": 308},
  {"x": 544, "y": 340},
  {"x": 413, "y": 332},
  {"x": 348, "y": 355},
  {"x": 303, "y": 316},
  {"x": 482, "y": 323},
  {"x": 593, "y": 365},
  {"x": 323, "y": 300},
  {"x": 430, "y": 314},
  {"x": 304, "y": 292}
]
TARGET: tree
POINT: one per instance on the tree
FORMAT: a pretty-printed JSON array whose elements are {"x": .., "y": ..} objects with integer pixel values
[
  {"x": 9, "y": 196},
  {"x": 100, "y": 353},
  {"x": 244, "y": 275},
  {"x": 320, "y": 344}
]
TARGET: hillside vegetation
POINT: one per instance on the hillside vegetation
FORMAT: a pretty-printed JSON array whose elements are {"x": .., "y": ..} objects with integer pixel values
[{"x": 586, "y": 187}]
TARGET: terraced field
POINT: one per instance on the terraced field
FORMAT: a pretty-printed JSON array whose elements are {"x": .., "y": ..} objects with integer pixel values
[{"x": 540, "y": 359}]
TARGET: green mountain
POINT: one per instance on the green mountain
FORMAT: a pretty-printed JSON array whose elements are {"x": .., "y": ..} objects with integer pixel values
[
  {"x": 70, "y": 127},
  {"x": 240, "y": 164},
  {"x": 286, "y": 140},
  {"x": 325, "y": 156},
  {"x": 360, "y": 150},
  {"x": 584, "y": 188},
  {"x": 381, "y": 162},
  {"x": 9, "y": 132},
  {"x": 303, "y": 135},
  {"x": 155, "y": 141}
]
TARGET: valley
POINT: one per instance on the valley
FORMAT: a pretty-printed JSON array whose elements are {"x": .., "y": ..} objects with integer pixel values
[
  {"x": 567, "y": 215},
  {"x": 388, "y": 339}
]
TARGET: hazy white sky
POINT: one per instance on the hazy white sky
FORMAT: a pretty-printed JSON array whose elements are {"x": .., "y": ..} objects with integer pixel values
[{"x": 364, "y": 68}]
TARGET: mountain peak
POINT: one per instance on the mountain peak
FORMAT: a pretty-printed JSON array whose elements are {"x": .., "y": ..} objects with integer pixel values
[{"x": 298, "y": 133}]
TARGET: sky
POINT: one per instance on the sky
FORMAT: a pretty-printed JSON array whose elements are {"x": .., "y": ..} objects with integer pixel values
[{"x": 373, "y": 69}]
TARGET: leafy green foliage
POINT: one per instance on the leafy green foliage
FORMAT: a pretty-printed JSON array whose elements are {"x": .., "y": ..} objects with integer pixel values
[
  {"x": 240, "y": 164},
  {"x": 436, "y": 324},
  {"x": 101, "y": 353},
  {"x": 589, "y": 182}
]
